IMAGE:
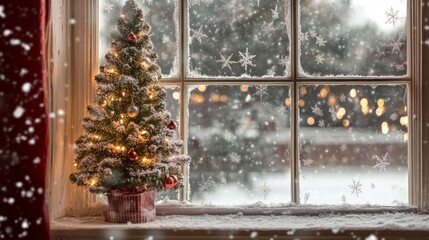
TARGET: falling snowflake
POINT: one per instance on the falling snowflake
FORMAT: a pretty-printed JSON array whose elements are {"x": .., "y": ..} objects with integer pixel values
[
  {"x": 206, "y": 185},
  {"x": 195, "y": 56},
  {"x": 226, "y": 62},
  {"x": 283, "y": 61},
  {"x": 149, "y": 2},
  {"x": 356, "y": 187},
  {"x": 307, "y": 162},
  {"x": 246, "y": 59},
  {"x": 198, "y": 34},
  {"x": 316, "y": 110},
  {"x": 261, "y": 91},
  {"x": 282, "y": 109},
  {"x": 320, "y": 41},
  {"x": 235, "y": 158},
  {"x": 392, "y": 16},
  {"x": 306, "y": 197},
  {"x": 343, "y": 97},
  {"x": 319, "y": 59},
  {"x": 108, "y": 7},
  {"x": 267, "y": 29},
  {"x": 382, "y": 162},
  {"x": 321, "y": 123},
  {"x": 264, "y": 190},
  {"x": 257, "y": 1},
  {"x": 275, "y": 13},
  {"x": 271, "y": 72},
  {"x": 198, "y": 2},
  {"x": 393, "y": 116}
]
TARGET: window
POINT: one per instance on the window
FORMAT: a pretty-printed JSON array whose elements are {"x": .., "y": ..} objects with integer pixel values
[{"x": 235, "y": 70}]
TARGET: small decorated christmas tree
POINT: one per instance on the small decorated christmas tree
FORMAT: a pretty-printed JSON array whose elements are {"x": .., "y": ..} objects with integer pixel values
[{"x": 128, "y": 145}]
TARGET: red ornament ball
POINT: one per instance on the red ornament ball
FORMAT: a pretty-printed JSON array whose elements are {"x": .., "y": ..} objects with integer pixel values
[
  {"x": 132, "y": 37},
  {"x": 175, "y": 179},
  {"x": 168, "y": 183},
  {"x": 172, "y": 125},
  {"x": 132, "y": 155}
]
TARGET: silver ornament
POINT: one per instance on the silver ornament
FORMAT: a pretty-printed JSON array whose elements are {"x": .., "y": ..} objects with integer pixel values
[{"x": 133, "y": 111}]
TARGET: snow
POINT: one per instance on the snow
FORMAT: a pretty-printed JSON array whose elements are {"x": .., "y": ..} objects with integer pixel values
[
  {"x": 2, "y": 15},
  {"x": 337, "y": 222},
  {"x": 18, "y": 112},
  {"x": 26, "y": 87}
]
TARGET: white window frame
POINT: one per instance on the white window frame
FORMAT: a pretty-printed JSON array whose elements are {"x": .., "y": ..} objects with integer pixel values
[{"x": 82, "y": 58}]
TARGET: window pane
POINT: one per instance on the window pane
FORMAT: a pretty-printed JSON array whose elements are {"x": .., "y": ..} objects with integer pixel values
[
  {"x": 238, "y": 38},
  {"x": 355, "y": 37},
  {"x": 239, "y": 138},
  {"x": 161, "y": 16},
  {"x": 172, "y": 103},
  {"x": 353, "y": 144}
]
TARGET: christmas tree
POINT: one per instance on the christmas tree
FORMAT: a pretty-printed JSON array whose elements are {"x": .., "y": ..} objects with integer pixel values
[{"x": 128, "y": 144}]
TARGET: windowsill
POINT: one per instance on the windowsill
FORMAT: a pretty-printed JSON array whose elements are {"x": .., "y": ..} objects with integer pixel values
[{"x": 330, "y": 222}]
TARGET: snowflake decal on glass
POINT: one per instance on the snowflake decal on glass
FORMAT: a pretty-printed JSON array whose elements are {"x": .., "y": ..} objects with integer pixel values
[
  {"x": 321, "y": 123},
  {"x": 235, "y": 158},
  {"x": 396, "y": 46},
  {"x": 381, "y": 162},
  {"x": 267, "y": 29},
  {"x": 271, "y": 71},
  {"x": 332, "y": 160},
  {"x": 392, "y": 16},
  {"x": 226, "y": 62},
  {"x": 307, "y": 162},
  {"x": 275, "y": 13},
  {"x": 108, "y": 7},
  {"x": 264, "y": 190},
  {"x": 198, "y": 34},
  {"x": 320, "y": 41},
  {"x": 319, "y": 59},
  {"x": 206, "y": 185},
  {"x": 261, "y": 91},
  {"x": 333, "y": 113},
  {"x": 399, "y": 135},
  {"x": 316, "y": 110},
  {"x": 393, "y": 116},
  {"x": 343, "y": 97},
  {"x": 283, "y": 61},
  {"x": 372, "y": 185},
  {"x": 356, "y": 187},
  {"x": 282, "y": 109},
  {"x": 246, "y": 59}
]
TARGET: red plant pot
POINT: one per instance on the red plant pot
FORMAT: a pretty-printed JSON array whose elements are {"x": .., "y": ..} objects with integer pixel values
[{"x": 126, "y": 207}]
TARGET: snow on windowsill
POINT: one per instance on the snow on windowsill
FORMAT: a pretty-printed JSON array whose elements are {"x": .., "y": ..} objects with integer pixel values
[{"x": 173, "y": 214}]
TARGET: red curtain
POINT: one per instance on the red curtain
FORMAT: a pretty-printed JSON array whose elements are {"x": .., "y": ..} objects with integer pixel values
[{"x": 23, "y": 120}]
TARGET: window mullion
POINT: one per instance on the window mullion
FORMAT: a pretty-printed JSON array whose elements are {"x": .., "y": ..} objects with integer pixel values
[
  {"x": 294, "y": 119},
  {"x": 184, "y": 192}
]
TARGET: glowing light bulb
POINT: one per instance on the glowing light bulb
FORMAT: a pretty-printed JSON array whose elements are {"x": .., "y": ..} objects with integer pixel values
[
  {"x": 93, "y": 182},
  {"x": 353, "y": 93},
  {"x": 123, "y": 93},
  {"x": 202, "y": 88},
  {"x": 244, "y": 88}
]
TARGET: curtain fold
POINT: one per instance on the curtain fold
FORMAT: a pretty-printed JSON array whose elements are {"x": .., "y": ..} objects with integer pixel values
[{"x": 23, "y": 120}]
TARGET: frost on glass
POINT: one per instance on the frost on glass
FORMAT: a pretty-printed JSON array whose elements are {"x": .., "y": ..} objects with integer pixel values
[
  {"x": 355, "y": 37},
  {"x": 161, "y": 16},
  {"x": 246, "y": 38},
  {"x": 353, "y": 144},
  {"x": 239, "y": 142},
  {"x": 172, "y": 104}
]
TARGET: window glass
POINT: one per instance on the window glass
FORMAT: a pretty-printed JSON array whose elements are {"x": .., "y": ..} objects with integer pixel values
[
  {"x": 355, "y": 37},
  {"x": 238, "y": 38},
  {"x": 161, "y": 15},
  {"x": 353, "y": 144},
  {"x": 239, "y": 142}
]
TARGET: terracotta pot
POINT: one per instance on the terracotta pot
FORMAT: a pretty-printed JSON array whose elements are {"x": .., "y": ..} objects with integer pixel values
[{"x": 135, "y": 208}]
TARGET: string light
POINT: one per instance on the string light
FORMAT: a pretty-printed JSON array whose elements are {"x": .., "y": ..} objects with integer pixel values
[{"x": 111, "y": 70}]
